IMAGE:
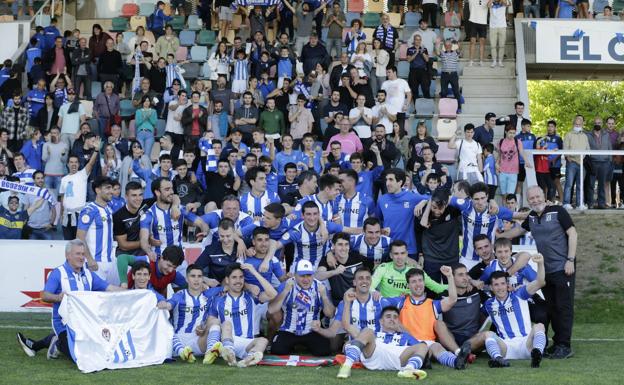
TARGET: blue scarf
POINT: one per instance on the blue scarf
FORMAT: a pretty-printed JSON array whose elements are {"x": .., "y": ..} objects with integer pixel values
[
  {"x": 211, "y": 159},
  {"x": 388, "y": 41}
]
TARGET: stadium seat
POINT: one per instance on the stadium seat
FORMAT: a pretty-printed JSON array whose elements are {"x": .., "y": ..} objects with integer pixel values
[
  {"x": 447, "y": 108},
  {"x": 406, "y": 34},
  {"x": 355, "y": 6},
  {"x": 126, "y": 109},
  {"x": 177, "y": 23},
  {"x": 132, "y": 128},
  {"x": 395, "y": 19},
  {"x": 194, "y": 23},
  {"x": 432, "y": 88},
  {"x": 371, "y": 20},
  {"x": 207, "y": 37},
  {"x": 403, "y": 69},
  {"x": 160, "y": 127},
  {"x": 370, "y": 33},
  {"x": 451, "y": 33},
  {"x": 205, "y": 71},
  {"x": 146, "y": 9},
  {"x": 446, "y": 128},
  {"x": 96, "y": 88},
  {"x": 445, "y": 154},
  {"x": 199, "y": 54},
  {"x": 412, "y": 19},
  {"x": 187, "y": 38},
  {"x": 88, "y": 107},
  {"x": 376, "y": 6},
  {"x": 182, "y": 54},
  {"x": 350, "y": 16},
  {"x": 324, "y": 32},
  {"x": 127, "y": 35},
  {"x": 424, "y": 107},
  {"x": 138, "y": 21},
  {"x": 129, "y": 9},
  {"x": 191, "y": 70},
  {"x": 237, "y": 21},
  {"x": 42, "y": 20},
  {"x": 119, "y": 24},
  {"x": 403, "y": 51}
]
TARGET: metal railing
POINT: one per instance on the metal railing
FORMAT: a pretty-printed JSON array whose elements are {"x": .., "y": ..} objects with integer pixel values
[
  {"x": 521, "y": 74},
  {"x": 532, "y": 180},
  {"x": 22, "y": 48}
]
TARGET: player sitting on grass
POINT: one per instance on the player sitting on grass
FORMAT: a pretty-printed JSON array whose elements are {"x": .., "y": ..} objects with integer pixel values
[
  {"x": 388, "y": 349},
  {"x": 235, "y": 313},
  {"x": 509, "y": 311}
]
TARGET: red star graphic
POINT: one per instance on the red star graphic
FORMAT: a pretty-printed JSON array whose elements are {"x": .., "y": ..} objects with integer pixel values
[{"x": 35, "y": 296}]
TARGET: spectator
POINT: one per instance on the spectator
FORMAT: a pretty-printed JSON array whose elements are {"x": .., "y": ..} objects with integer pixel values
[
  {"x": 582, "y": 9},
  {"x": 420, "y": 141},
  {"x": 470, "y": 162},
  {"x": 354, "y": 36},
  {"x": 388, "y": 151},
  {"x": 110, "y": 65},
  {"x": 47, "y": 117},
  {"x": 36, "y": 98},
  {"x": 380, "y": 59},
  {"x": 400, "y": 139},
  {"x": 419, "y": 76},
  {"x": 145, "y": 121},
  {"x": 484, "y": 134},
  {"x": 54, "y": 154},
  {"x": 301, "y": 120},
  {"x": 194, "y": 121},
  {"x": 305, "y": 16},
  {"x": 335, "y": 21},
  {"x": 71, "y": 115},
  {"x": 313, "y": 53},
  {"x": 120, "y": 144},
  {"x": 158, "y": 21},
  {"x": 430, "y": 12},
  {"x": 514, "y": 119},
  {"x": 106, "y": 109},
  {"x": 450, "y": 67},
  {"x": 272, "y": 121},
  {"x": 362, "y": 60},
  {"x": 173, "y": 125},
  {"x": 388, "y": 36},
  {"x": 600, "y": 164},
  {"x": 498, "y": 29},
  {"x": 381, "y": 114},
  {"x": 361, "y": 118},
  {"x": 574, "y": 140},
  {"x": 13, "y": 219},
  {"x": 349, "y": 141},
  {"x": 528, "y": 141},
  {"x": 15, "y": 119},
  {"x": 167, "y": 43},
  {"x": 510, "y": 148},
  {"x": 97, "y": 45},
  {"x": 246, "y": 117},
  {"x": 477, "y": 29},
  {"x": 138, "y": 38},
  {"x": 530, "y": 7},
  {"x": 10, "y": 86},
  {"x": 56, "y": 60},
  {"x": 41, "y": 221},
  {"x": 145, "y": 90},
  {"x": 32, "y": 148},
  {"x": 340, "y": 70},
  {"x": 398, "y": 94},
  {"x": 81, "y": 68}
]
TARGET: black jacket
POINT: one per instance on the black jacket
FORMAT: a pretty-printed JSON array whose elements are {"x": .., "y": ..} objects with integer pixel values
[{"x": 41, "y": 120}]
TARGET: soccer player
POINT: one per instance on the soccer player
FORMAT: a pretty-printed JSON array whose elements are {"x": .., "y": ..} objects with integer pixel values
[
  {"x": 237, "y": 306},
  {"x": 389, "y": 278},
  {"x": 95, "y": 228},
  {"x": 359, "y": 309},
  {"x": 420, "y": 318},
  {"x": 259, "y": 197},
  {"x": 217, "y": 256},
  {"x": 504, "y": 261},
  {"x": 389, "y": 349},
  {"x": 268, "y": 265},
  {"x": 372, "y": 244},
  {"x": 141, "y": 275},
  {"x": 126, "y": 221},
  {"x": 516, "y": 339},
  {"x": 230, "y": 208},
  {"x": 70, "y": 276},
  {"x": 353, "y": 207},
  {"x": 478, "y": 219},
  {"x": 163, "y": 270},
  {"x": 366, "y": 178},
  {"x": 190, "y": 308},
  {"x": 161, "y": 225},
  {"x": 396, "y": 209},
  {"x": 329, "y": 188},
  {"x": 301, "y": 299}
]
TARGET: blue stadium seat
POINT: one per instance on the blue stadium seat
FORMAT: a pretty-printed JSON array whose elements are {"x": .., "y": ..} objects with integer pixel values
[
  {"x": 412, "y": 19},
  {"x": 425, "y": 107},
  {"x": 187, "y": 38},
  {"x": 191, "y": 70},
  {"x": 126, "y": 109},
  {"x": 160, "y": 127},
  {"x": 199, "y": 53},
  {"x": 96, "y": 88},
  {"x": 194, "y": 23},
  {"x": 350, "y": 16},
  {"x": 127, "y": 35},
  {"x": 146, "y": 9},
  {"x": 403, "y": 69}
]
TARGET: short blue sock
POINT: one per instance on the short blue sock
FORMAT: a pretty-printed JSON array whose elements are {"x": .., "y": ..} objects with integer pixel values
[
  {"x": 491, "y": 345},
  {"x": 447, "y": 359}
]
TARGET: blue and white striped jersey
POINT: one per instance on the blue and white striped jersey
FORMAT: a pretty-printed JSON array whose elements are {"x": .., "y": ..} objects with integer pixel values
[
  {"x": 97, "y": 222},
  {"x": 162, "y": 227},
  {"x": 241, "y": 70},
  {"x": 212, "y": 219},
  {"x": 26, "y": 176},
  {"x": 511, "y": 316},
  {"x": 189, "y": 311},
  {"x": 308, "y": 244},
  {"x": 301, "y": 307},
  {"x": 396, "y": 339},
  {"x": 375, "y": 253},
  {"x": 354, "y": 211},
  {"x": 239, "y": 311},
  {"x": 490, "y": 177},
  {"x": 522, "y": 276},
  {"x": 364, "y": 315},
  {"x": 327, "y": 209},
  {"x": 475, "y": 223},
  {"x": 253, "y": 206}
]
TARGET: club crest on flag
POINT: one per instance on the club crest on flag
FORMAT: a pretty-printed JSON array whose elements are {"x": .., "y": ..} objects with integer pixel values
[{"x": 106, "y": 334}]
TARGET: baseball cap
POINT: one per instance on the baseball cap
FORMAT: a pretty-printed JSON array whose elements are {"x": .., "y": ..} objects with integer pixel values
[
  {"x": 304, "y": 268},
  {"x": 490, "y": 115}
]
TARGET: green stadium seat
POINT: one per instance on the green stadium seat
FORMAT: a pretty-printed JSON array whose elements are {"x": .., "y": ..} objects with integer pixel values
[
  {"x": 177, "y": 23},
  {"x": 119, "y": 24},
  {"x": 207, "y": 37}
]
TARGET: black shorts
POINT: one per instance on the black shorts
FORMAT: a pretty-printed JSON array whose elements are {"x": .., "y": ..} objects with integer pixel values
[
  {"x": 521, "y": 173},
  {"x": 555, "y": 172},
  {"x": 477, "y": 30}
]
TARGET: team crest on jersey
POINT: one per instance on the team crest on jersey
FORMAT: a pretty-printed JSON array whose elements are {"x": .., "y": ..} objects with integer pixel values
[
  {"x": 143, "y": 216},
  {"x": 406, "y": 205},
  {"x": 85, "y": 219},
  {"x": 106, "y": 334}
]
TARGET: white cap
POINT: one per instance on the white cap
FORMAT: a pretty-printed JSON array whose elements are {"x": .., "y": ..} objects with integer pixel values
[{"x": 304, "y": 267}]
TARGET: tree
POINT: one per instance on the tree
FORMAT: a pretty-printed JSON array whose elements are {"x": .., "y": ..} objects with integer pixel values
[{"x": 563, "y": 100}]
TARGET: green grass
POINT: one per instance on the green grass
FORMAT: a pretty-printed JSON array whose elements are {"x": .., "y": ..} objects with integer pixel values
[{"x": 595, "y": 361}]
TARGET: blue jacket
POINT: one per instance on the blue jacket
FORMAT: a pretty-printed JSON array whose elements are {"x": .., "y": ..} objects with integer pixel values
[{"x": 396, "y": 211}]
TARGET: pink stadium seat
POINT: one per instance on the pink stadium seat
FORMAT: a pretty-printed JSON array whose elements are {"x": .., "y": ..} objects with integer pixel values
[
  {"x": 129, "y": 9},
  {"x": 445, "y": 154},
  {"x": 356, "y": 6},
  {"x": 447, "y": 108},
  {"x": 181, "y": 54},
  {"x": 403, "y": 51}
]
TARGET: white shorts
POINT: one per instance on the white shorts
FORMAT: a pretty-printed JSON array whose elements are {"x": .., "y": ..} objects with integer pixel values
[
  {"x": 108, "y": 271},
  {"x": 273, "y": 136},
  {"x": 240, "y": 346},
  {"x": 385, "y": 357},
  {"x": 260, "y": 311},
  {"x": 239, "y": 86},
  {"x": 517, "y": 348},
  {"x": 468, "y": 262},
  {"x": 191, "y": 340},
  {"x": 225, "y": 13}
]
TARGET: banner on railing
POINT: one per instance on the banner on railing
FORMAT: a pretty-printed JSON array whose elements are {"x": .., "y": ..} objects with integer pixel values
[
  {"x": 27, "y": 265},
  {"x": 579, "y": 42}
]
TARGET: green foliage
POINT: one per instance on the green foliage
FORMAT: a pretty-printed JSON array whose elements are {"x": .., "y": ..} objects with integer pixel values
[{"x": 562, "y": 100}]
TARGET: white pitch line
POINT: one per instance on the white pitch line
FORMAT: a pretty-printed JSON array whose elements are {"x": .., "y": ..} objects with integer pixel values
[{"x": 25, "y": 327}]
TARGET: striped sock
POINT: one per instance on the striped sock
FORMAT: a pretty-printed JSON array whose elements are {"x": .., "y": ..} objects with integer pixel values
[
  {"x": 447, "y": 359},
  {"x": 414, "y": 363},
  {"x": 491, "y": 345},
  {"x": 539, "y": 340},
  {"x": 228, "y": 343},
  {"x": 214, "y": 335},
  {"x": 353, "y": 354},
  {"x": 177, "y": 345}
]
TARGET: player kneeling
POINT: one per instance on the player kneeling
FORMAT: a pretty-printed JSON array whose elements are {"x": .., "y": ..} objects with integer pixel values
[
  {"x": 517, "y": 339},
  {"x": 389, "y": 349},
  {"x": 232, "y": 317}
]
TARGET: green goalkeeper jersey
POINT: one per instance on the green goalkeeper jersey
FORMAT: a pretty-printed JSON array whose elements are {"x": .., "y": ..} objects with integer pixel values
[{"x": 391, "y": 282}]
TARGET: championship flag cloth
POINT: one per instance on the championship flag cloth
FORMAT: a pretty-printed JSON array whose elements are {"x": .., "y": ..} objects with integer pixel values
[
  {"x": 294, "y": 360},
  {"x": 116, "y": 330},
  {"x": 41, "y": 192}
]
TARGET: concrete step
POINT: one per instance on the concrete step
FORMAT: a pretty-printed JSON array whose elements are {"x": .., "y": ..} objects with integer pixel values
[
  {"x": 486, "y": 70},
  {"x": 493, "y": 86},
  {"x": 482, "y": 105},
  {"x": 510, "y": 49}
]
